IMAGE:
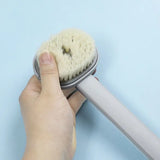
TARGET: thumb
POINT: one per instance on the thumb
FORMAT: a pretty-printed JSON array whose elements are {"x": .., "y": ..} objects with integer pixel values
[{"x": 49, "y": 74}]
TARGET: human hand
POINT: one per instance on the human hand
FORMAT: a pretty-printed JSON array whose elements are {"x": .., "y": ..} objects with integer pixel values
[{"x": 49, "y": 115}]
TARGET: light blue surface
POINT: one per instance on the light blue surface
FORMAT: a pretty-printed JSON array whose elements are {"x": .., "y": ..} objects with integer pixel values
[{"x": 127, "y": 35}]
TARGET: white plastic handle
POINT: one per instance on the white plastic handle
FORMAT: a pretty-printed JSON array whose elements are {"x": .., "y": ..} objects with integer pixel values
[{"x": 134, "y": 129}]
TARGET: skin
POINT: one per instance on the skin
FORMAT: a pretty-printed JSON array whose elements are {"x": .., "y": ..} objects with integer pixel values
[{"x": 49, "y": 115}]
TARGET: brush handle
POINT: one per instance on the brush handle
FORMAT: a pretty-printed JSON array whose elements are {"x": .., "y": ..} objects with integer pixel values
[{"x": 134, "y": 129}]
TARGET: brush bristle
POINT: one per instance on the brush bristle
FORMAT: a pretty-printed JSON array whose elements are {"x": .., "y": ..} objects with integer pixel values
[{"x": 73, "y": 50}]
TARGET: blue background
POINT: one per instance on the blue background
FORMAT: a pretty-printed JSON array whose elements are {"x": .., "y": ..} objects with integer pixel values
[{"x": 127, "y": 36}]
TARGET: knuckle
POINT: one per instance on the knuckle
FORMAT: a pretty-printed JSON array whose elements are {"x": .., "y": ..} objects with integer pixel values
[
  {"x": 22, "y": 96},
  {"x": 49, "y": 71},
  {"x": 51, "y": 94}
]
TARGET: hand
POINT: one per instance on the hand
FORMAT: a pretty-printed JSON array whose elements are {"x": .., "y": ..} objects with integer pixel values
[{"x": 49, "y": 117}]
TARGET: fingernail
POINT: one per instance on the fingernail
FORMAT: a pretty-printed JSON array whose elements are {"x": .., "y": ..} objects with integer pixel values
[{"x": 45, "y": 58}]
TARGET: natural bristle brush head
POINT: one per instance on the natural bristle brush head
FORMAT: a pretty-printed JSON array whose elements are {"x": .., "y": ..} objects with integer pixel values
[{"x": 75, "y": 54}]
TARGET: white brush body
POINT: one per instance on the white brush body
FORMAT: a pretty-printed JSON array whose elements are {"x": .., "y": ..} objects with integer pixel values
[{"x": 74, "y": 51}]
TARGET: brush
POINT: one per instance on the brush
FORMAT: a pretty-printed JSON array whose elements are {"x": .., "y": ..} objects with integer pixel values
[{"x": 76, "y": 57}]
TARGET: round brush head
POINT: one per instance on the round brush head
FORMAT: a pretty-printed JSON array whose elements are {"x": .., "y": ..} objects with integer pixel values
[{"x": 75, "y": 54}]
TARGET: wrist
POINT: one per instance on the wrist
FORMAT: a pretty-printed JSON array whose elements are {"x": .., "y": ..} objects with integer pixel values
[{"x": 41, "y": 148}]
